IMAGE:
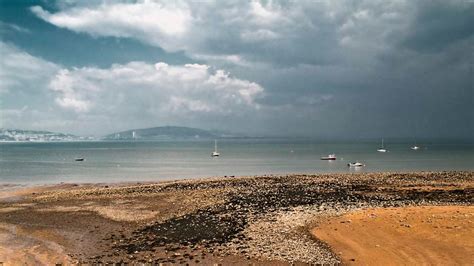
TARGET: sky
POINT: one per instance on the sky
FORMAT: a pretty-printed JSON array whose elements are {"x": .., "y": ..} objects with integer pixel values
[{"x": 322, "y": 69}]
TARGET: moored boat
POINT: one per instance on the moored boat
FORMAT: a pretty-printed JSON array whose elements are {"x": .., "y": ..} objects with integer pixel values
[
  {"x": 215, "y": 153},
  {"x": 330, "y": 157},
  {"x": 355, "y": 164},
  {"x": 415, "y": 147},
  {"x": 382, "y": 149}
]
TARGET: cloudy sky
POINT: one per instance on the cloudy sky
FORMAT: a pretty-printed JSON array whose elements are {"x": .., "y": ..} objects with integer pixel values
[{"x": 352, "y": 69}]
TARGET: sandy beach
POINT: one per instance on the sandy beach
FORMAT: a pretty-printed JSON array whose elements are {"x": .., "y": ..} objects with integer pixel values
[
  {"x": 363, "y": 218},
  {"x": 425, "y": 235}
]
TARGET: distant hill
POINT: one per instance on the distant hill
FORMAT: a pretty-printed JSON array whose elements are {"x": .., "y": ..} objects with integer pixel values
[
  {"x": 36, "y": 135},
  {"x": 162, "y": 133}
]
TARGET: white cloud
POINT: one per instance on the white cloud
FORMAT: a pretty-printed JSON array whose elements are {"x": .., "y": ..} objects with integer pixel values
[
  {"x": 20, "y": 71},
  {"x": 265, "y": 14},
  {"x": 156, "y": 90},
  {"x": 65, "y": 84},
  {"x": 38, "y": 94},
  {"x": 156, "y": 23},
  {"x": 23, "y": 87}
]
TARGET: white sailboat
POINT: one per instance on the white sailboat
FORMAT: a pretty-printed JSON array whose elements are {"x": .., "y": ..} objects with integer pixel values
[
  {"x": 382, "y": 149},
  {"x": 415, "y": 147},
  {"x": 215, "y": 153}
]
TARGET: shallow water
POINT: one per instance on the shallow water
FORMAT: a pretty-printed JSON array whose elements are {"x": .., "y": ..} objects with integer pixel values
[{"x": 107, "y": 161}]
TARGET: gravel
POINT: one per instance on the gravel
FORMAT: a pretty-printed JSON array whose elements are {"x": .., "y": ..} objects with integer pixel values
[{"x": 263, "y": 217}]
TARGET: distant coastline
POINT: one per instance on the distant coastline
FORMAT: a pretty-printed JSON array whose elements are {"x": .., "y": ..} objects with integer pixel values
[
  {"x": 166, "y": 133},
  {"x": 146, "y": 134}
]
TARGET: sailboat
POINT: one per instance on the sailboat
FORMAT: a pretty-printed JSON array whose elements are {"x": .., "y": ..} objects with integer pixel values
[
  {"x": 215, "y": 153},
  {"x": 415, "y": 147},
  {"x": 382, "y": 149}
]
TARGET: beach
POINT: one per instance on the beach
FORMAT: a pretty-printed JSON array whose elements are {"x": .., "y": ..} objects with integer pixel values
[
  {"x": 434, "y": 235},
  {"x": 265, "y": 220}
]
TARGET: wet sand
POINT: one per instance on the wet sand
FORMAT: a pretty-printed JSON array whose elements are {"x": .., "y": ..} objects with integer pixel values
[
  {"x": 22, "y": 247},
  {"x": 265, "y": 219},
  {"x": 440, "y": 235}
]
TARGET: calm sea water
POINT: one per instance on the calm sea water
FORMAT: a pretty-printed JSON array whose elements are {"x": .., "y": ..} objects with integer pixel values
[{"x": 145, "y": 161}]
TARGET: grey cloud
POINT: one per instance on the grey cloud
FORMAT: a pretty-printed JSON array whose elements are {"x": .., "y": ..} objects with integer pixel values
[
  {"x": 347, "y": 68},
  {"x": 279, "y": 33},
  {"x": 439, "y": 24}
]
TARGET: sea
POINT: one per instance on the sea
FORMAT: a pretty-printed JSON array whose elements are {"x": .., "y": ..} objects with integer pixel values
[{"x": 133, "y": 161}]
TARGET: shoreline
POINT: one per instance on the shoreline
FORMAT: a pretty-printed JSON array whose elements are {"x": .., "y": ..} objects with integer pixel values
[
  {"x": 264, "y": 219},
  {"x": 119, "y": 182}
]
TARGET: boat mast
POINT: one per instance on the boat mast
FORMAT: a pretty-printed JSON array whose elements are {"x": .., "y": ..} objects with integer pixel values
[{"x": 215, "y": 145}]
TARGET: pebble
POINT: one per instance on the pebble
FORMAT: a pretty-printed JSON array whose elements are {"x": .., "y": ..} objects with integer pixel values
[{"x": 265, "y": 217}]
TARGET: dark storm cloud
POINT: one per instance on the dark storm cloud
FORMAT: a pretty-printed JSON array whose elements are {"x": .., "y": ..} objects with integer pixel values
[
  {"x": 439, "y": 24},
  {"x": 326, "y": 68}
]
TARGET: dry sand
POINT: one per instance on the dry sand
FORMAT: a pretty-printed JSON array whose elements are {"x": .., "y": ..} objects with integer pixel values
[{"x": 441, "y": 235}]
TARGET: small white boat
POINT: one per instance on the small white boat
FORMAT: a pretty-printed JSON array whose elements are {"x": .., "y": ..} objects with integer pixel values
[
  {"x": 215, "y": 153},
  {"x": 415, "y": 147},
  {"x": 330, "y": 157},
  {"x": 356, "y": 164},
  {"x": 382, "y": 149}
]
